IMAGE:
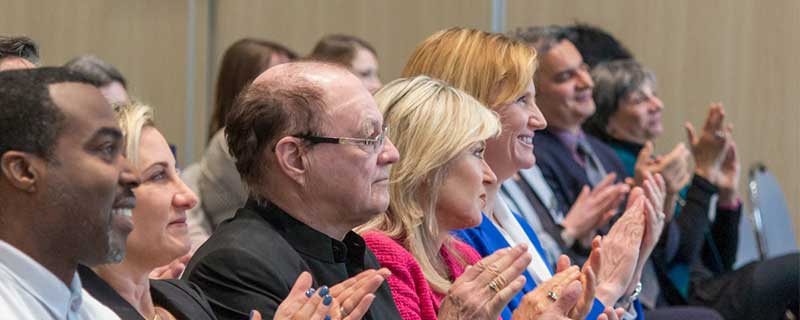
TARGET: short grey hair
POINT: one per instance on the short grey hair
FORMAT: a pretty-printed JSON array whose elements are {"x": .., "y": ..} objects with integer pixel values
[
  {"x": 96, "y": 69},
  {"x": 613, "y": 82},
  {"x": 543, "y": 38}
]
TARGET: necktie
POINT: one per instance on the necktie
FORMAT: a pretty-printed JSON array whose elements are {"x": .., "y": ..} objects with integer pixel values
[
  {"x": 518, "y": 201},
  {"x": 591, "y": 164},
  {"x": 595, "y": 173}
]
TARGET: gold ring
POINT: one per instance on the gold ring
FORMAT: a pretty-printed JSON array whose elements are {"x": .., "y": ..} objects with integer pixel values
[
  {"x": 552, "y": 295},
  {"x": 501, "y": 281},
  {"x": 494, "y": 286}
]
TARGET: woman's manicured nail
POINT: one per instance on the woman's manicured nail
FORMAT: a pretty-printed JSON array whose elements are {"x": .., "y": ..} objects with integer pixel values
[
  {"x": 327, "y": 300},
  {"x": 323, "y": 291},
  {"x": 310, "y": 292}
]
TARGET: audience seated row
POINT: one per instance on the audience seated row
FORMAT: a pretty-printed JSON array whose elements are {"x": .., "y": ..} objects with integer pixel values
[{"x": 317, "y": 200}]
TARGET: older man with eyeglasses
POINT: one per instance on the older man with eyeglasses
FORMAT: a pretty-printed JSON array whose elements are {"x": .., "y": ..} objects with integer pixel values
[{"x": 309, "y": 143}]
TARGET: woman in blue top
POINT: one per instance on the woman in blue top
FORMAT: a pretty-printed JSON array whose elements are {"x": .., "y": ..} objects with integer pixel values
[{"x": 498, "y": 72}]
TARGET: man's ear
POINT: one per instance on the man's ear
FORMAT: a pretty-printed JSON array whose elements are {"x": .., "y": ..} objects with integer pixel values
[
  {"x": 21, "y": 170},
  {"x": 289, "y": 157}
]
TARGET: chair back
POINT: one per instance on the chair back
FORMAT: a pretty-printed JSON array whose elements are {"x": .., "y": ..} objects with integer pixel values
[{"x": 770, "y": 225}]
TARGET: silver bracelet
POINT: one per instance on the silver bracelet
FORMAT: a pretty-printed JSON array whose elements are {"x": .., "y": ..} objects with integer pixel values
[{"x": 624, "y": 301}]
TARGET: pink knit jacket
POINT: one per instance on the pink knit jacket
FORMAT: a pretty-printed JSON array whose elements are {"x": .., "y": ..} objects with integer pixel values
[{"x": 413, "y": 296}]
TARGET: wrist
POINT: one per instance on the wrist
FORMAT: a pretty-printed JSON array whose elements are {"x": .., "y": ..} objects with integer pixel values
[
  {"x": 703, "y": 172},
  {"x": 636, "y": 282},
  {"x": 568, "y": 236},
  {"x": 671, "y": 196},
  {"x": 608, "y": 294},
  {"x": 627, "y": 299},
  {"x": 729, "y": 202}
]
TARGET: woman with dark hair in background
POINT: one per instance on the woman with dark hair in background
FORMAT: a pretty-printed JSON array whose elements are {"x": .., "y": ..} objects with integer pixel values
[
  {"x": 243, "y": 61},
  {"x": 215, "y": 178},
  {"x": 353, "y": 53}
]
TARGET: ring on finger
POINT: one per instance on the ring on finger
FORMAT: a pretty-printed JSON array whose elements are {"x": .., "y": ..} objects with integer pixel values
[
  {"x": 719, "y": 134},
  {"x": 494, "y": 286},
  {"x": 343, "y": 312},
  {"x": 552, "y": 295},
  {"x": 501, "y": 281}
]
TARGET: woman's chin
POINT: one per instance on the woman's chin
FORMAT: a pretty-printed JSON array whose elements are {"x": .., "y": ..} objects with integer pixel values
[
  {"x": 474, "y": 219},
  {"x": 179, "y": 246},
  {"x": 525, "y": 161}
]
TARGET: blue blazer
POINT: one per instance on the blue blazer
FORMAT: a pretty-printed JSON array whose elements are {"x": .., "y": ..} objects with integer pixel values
[
  {"x": 565, "y": 175},
  {"x": 487, "y": 239}
]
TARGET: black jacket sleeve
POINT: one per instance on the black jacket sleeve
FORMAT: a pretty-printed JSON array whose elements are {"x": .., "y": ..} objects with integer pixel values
[
  {"x": 725, "y": 234},
  {"x": 693, "y": 220},
  {"x": 236, "y": 282}
]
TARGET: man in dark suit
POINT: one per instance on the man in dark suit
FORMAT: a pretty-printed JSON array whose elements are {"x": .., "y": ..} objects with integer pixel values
[
  {"x": 309, "y": 143},
  {"x": 570, "y": 159}
]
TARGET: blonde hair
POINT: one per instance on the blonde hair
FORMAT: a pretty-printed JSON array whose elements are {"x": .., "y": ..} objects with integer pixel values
[
  {"x": 432, "y": 123},
  {"x": 491, "y": 67},
  {"x": 132, "y": 118}
]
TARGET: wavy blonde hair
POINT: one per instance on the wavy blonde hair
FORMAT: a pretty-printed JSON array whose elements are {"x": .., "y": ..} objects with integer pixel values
[
  {"x": 132, "y": 118},
  {"x": 491, "y": 67},
  {"x": 432, "y": 123}
]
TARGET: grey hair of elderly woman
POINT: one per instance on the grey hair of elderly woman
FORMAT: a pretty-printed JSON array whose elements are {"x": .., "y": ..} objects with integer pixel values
[{"x": 613, "y": 81}]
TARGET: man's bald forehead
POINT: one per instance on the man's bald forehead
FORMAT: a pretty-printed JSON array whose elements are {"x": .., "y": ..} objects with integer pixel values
[{"x": 312, "y": 71}]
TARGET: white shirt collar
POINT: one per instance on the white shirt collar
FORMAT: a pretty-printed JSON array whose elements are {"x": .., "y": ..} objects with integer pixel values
[
  {"x": 512, "y": 231},
  {"x": 40, "y": 283}
]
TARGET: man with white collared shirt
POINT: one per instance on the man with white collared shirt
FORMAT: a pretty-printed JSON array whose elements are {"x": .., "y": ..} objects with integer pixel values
[
  {"x": 29, "y": 289},
  {"x": 65, "y": 189}
]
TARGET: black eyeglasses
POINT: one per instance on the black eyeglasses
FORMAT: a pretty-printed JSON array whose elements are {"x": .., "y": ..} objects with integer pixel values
[{"x": 374, "y": 145}]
